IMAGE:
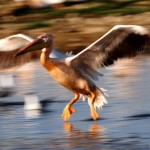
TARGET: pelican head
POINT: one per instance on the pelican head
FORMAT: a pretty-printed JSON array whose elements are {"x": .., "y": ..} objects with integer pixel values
[{"x": 42, "y": 41}]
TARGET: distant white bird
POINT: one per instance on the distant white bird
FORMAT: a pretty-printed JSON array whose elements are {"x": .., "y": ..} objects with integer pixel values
[
  {"x": 32, "y": 102},
  {"x": 10, "y": 45},
  {"x": 77, "y": 73}
]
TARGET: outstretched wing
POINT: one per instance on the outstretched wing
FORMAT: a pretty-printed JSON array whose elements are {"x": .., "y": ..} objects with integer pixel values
[
  {"x": 10, "y": 45},
  {"x": 121, "y": 41},
  {"x": 14, "y": 42}
]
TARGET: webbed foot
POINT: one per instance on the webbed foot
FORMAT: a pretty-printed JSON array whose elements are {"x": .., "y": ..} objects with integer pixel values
[{"x": 67, "y": 113}]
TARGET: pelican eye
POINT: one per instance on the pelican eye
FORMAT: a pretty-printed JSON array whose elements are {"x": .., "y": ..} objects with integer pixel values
[{"x": 44, "y": 39}]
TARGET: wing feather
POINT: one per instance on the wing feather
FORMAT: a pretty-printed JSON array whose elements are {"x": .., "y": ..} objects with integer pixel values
[
  {"x": 14, "y": 42},
  {"x": 11, "y": 44},
  {"x": 121, "y": 41}
]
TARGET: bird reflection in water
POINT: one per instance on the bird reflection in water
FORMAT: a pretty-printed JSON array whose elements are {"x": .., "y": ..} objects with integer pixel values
[
  {"x": 32, "y": 105},
  {"x": 30, "y": 114},
  {"x": 76, "y": 137}
]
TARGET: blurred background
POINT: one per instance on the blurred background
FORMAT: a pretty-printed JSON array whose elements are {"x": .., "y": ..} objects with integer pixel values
[
  {"x": 31, "y": 103},
  {"x": 79, "y": 21}
]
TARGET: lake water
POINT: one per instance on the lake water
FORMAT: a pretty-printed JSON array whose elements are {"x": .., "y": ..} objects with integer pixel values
[{"x": 124, "y": 122}]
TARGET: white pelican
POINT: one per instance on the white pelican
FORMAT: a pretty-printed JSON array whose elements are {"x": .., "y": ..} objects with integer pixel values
[
  {"x": 77, "y": 73},
  {"x": 10, "y": 45}
]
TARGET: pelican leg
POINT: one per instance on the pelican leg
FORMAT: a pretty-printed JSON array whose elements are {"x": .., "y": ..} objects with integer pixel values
[
  {"x": 94, "y": 114},
  {"x": 68, "y": 110}
]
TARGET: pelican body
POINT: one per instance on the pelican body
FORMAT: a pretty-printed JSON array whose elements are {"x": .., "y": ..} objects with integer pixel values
[{"x": 77, "y": 73}]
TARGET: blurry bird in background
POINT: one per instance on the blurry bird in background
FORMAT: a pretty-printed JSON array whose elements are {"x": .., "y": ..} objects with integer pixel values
[
  {"x": 77, "y": 73},
  {"x": 8, "y": 47},
  {"x": 11, "y": 44}
]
